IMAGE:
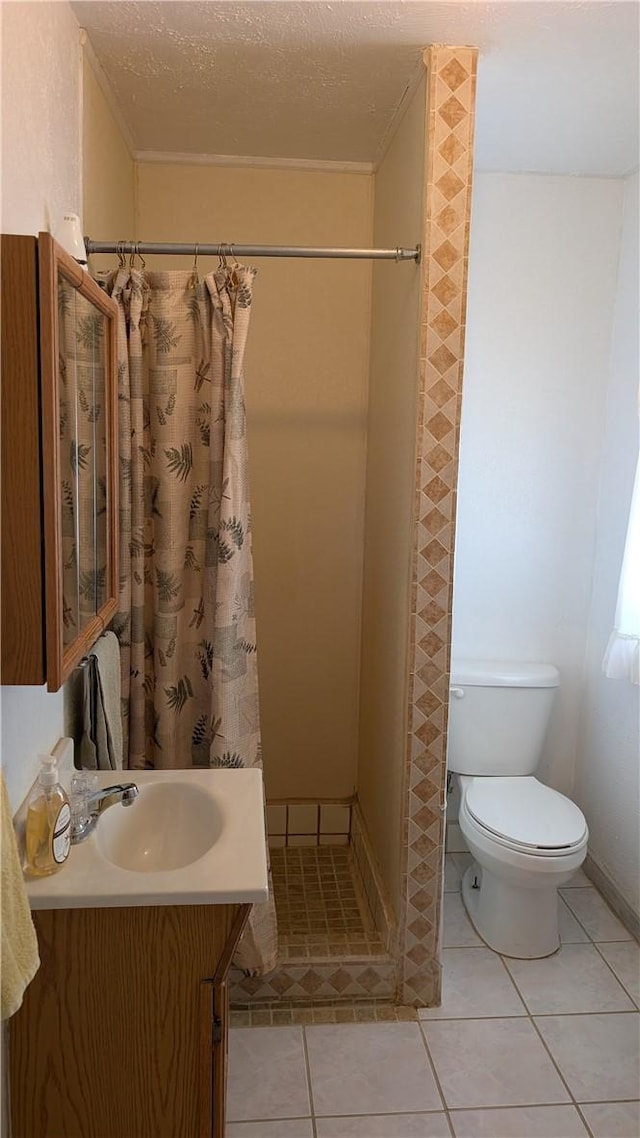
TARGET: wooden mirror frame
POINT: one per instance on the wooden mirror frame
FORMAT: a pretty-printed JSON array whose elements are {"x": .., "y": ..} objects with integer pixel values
[{"x": 53, "y": 261}]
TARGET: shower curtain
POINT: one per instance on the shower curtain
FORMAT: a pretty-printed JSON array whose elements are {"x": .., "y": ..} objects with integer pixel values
[{"x": 186, "y": 622}]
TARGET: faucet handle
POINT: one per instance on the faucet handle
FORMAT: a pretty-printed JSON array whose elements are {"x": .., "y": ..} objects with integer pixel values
[
  {"x": 93, "y": 806},
  {"x": 82, "y": 786}
]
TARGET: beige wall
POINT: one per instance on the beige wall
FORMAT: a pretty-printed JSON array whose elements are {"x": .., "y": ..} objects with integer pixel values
[
  {"x": 108, "y": 171},
  {"x": 393, "y": 400},
  {"x": 306, "y": 367}
]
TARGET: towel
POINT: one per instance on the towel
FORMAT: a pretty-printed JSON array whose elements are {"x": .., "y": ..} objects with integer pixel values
[
  {"x": 19, "y": 960},
  {"x": 101, "y": 742}
]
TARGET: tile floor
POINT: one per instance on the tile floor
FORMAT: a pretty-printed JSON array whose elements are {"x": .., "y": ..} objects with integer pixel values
[{"x": 519, "y": 1049}]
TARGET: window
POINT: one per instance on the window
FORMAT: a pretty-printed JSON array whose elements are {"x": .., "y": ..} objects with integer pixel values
[{"x": 622, "y": 658}]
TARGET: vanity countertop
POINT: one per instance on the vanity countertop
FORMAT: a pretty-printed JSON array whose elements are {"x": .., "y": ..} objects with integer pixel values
[{"x": 198, "y": 838}]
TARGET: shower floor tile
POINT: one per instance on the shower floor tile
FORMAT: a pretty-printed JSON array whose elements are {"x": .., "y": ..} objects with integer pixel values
[{"x": 317, "y": 904}]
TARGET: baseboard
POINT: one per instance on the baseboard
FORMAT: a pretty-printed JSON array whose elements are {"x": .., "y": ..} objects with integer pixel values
[{"x": 613, "y": 896}]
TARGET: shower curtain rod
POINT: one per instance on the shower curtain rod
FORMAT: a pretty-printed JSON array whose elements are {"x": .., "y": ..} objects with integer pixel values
[{"x": 148, "y": 248}]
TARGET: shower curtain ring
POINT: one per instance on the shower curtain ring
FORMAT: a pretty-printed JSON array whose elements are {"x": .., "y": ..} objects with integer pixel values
[
  {"x": 222, "y": 259},
  {"x": 143, "y": 263},
  {"x": 193, "y": 279},
  {"x": 122, "y": 260}
]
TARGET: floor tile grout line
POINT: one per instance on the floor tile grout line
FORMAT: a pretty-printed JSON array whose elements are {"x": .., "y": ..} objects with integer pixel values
[
  {"x": 596, "y": 945},
  {"x": 436, "y": 1077},
  {"x": 381, "y": 1114},
  {"x": 512, "y": 979},
  {"x": 574, "y": 915},
  {"x": 578, "y": 944},
  {"x": 531, "y": 1105},
  {"x": 443, "y": 1110},
  {"x": 563, "y": 894},
  {"x": 307, "y": 1065},
  {"x": 608, "y": 1101},
  {"x": 562, "y": 897},
  {"x": 555, "y": 1064},
  {"x": 524, "y": 1015},
  {"x": 547, "y": 1049},
  {"x": 254, "y": 1121},
  {"x": 579, "y": 1015},
  {"x": 584, "y": 1120}
]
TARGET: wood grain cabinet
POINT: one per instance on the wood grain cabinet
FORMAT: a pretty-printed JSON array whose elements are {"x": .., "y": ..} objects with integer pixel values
[
  {"x": 59, "y": 572},
  {"x": 123, "y": 1031}
]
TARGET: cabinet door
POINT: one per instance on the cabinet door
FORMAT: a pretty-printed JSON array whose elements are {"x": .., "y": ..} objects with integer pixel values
[
  {"x": 22, "y": 550},
  {"x": 118, "y": 1033},
  {"x": 59, "y": 568},
  {"x": 80, "y": 462},
  {"x": 206, "y": 1046},
  {"x": 220, "y": 1056}
]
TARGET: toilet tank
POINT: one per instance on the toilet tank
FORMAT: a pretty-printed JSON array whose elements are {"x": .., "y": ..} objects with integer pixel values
[{"x": 498, "y": 715}]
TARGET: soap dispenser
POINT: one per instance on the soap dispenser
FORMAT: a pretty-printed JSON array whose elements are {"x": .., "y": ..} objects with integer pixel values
[{"x": 48, "y": 825}]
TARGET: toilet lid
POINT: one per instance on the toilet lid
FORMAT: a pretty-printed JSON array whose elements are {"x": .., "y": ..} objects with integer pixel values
[{"x": 524, "y": 811}]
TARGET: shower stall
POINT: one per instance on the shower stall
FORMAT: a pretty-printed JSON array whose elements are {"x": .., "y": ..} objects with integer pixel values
[{"x": 353, "y": 385}]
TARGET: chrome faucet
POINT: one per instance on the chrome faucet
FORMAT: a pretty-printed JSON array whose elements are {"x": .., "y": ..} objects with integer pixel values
[{"x": 95, "y": 805}]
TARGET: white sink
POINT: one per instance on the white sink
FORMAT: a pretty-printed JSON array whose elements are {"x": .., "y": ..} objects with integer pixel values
[
  {"x": 168, "y": 826},
  {"x": 193, "y": 837}
]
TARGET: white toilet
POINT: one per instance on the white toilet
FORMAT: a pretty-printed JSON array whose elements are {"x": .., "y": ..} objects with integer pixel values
[{"x": 526, "y": 838}]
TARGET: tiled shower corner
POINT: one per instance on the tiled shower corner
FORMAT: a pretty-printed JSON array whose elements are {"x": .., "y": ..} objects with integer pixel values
[
  {"x": 335, "y": 927},
  {"x": 405, "y": 965}
]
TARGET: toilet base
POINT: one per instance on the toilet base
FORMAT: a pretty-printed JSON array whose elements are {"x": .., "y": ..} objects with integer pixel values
[{"x": 511, "y": 919}]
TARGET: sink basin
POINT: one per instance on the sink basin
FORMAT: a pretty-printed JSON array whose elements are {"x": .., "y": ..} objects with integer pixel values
[{"x": 169, "y": 825}]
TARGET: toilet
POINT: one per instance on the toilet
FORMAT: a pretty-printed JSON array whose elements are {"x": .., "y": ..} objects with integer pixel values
[{"x": 526, "y": 839}]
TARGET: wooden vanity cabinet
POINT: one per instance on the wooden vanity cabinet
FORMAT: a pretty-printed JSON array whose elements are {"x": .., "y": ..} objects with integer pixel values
[{"x": 123, "y": 1031}]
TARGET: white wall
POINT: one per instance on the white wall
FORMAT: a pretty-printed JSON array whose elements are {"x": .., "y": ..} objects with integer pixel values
[
  {"x": 542, "y": 280},
  {"x": 40, "y": 180},
  {"x": 608, "y": 767}
]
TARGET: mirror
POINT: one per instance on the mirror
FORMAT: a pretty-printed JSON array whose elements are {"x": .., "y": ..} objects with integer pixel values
[
  {"x": 79, "y": 405},
  {"x": 83, "y": 441}
]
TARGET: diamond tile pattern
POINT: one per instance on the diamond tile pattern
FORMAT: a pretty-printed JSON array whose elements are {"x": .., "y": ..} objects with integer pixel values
[{"x": 451, "y": 82}]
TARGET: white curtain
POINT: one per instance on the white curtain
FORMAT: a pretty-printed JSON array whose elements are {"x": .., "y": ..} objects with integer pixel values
[{"x": 622, "y": 658}]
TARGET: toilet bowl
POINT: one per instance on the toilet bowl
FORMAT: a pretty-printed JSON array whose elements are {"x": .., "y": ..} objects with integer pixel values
[{"x": 526, "y": 840}]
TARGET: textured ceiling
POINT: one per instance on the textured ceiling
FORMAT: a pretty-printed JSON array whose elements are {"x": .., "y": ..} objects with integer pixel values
[{"x": 557, "y": 82}]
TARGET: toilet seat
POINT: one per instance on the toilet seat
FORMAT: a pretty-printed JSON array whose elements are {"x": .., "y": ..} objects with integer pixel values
[{"x": 525, "y": 815}]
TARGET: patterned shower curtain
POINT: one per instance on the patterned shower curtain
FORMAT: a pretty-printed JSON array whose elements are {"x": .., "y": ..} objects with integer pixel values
[{"x": 186, "y": 621}]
